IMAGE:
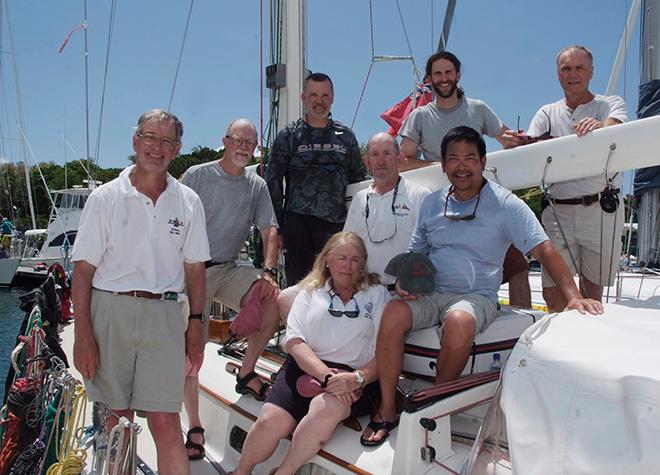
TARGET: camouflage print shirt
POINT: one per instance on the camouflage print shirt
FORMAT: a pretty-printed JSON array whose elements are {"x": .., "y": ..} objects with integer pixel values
[{"x": 313, "y": 165}]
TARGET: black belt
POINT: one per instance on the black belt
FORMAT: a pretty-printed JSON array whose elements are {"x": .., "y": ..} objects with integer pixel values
[
  {"x": 586, "y": 200},
  {"x": 208, "y": 264}
]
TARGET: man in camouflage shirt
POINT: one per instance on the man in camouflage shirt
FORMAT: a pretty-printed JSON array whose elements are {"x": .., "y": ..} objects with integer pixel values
[{"x": 311, "y": 162}]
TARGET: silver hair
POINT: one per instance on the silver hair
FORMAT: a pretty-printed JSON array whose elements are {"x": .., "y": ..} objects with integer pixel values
[
  {"x": 159, "y": 115},
  {"x": 240, "y": 121},
  {"x": 584, "y": 49},
  {"x": 377, "y": 135}
]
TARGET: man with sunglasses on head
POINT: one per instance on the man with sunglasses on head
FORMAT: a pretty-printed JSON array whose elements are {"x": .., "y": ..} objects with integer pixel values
[
  {"x": 425, "y": 127},
  {"x": 384, "y": 214},
  {"x": 234, "y": 200},
  {"x": 311, "y": 162},
  {"x": 584, "y": 217},
  {"x": 465, "y": 229}
]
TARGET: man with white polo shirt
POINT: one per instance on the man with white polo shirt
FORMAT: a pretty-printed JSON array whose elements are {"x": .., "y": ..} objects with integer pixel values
[
  {"x": 142, "y": 242},
  {"x": 384, "y": 214},
  {"x": 584, "y": 217}
]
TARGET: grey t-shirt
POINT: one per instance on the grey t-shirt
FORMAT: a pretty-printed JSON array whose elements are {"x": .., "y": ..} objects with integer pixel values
[
  {"x": 231, "y": 204},
  {"x": 427, "y": 125}
]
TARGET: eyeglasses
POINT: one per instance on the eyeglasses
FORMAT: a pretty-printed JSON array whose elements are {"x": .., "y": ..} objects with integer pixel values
[
  {"x": 366, "y": 216},
  {"x": 470, "y": 216},
  {"x": 151, "y": 139},
  {"x": 338, "y": 313},
  {"x": 242, "y": 142}
]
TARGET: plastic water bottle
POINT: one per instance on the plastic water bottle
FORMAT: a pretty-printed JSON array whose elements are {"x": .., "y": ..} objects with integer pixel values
[{"x": 496, "y": 364}]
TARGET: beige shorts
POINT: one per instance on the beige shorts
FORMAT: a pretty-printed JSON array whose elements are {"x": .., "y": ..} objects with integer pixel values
[
  {"x": 228, "y": 283},
  {"x": 593, "y": 236},
  {"x": 429, "y": 310},
  {"x": 142, "y": 351}
]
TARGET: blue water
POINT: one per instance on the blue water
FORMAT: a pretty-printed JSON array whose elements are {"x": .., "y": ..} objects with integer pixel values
[{"x": 10, "y": 321}]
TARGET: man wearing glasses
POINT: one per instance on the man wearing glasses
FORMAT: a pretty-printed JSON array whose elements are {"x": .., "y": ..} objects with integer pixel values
[
  {"x": 384, "y": 214},
  {"x": 234, "y": 200},
  {"x": 465, "y": 229},
  {"x": 311, "y": 162},
  {"x": 142, "y": 241}
]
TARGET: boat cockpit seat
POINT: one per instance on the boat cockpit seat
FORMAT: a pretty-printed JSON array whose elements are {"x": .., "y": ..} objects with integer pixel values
[{"x": 422, "y": 346}]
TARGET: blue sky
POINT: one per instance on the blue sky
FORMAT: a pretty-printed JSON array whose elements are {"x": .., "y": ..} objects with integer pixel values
[{"x": 507, "y": 49}]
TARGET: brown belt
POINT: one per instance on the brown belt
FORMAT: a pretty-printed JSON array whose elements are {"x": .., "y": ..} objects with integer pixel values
[{"x": 143, "y": 294}]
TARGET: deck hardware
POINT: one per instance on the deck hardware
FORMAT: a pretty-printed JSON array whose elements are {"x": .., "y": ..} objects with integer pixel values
[
  {"x": 427, "y": 453},
  {"x": 428, "y": 424}
]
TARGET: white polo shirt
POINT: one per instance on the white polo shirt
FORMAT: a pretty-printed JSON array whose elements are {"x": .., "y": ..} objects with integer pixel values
[
  {"x": 559, "y": 119},
  {"x": 349, "y": 341},
  {"x": 382, "y": 223},
  {"x": 135, "y": 245}
]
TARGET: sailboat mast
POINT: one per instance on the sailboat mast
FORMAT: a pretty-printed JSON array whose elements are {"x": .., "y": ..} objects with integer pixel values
[
  {"x": 294, "y": 26},
  {"x": 87, "y": 157},
  {"x": 21, "y": 120},
  {"x": 648, "y": 213}
]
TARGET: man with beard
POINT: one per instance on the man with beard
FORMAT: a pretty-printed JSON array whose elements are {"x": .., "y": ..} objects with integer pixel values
[
  {"x": 311, "y": 162},
  {"x": 233, "y": 201},
  {"x": 426, "y": 126}
]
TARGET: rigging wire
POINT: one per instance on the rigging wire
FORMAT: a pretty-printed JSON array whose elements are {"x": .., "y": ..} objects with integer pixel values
[
  {"x": 403, "y": 25},
  {"x": 371, "y": 64},
  {"x": 374, "y": 58},
  {"x": 111, "y": 24},
  {"x": 178, "y": 64}
]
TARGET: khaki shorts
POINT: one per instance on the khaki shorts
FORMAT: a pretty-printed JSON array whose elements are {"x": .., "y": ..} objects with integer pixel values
[
  {"x": 228, "y": 283},
  {"x": 430, "y": 310},
  {"x": 583, "y": 227},
  {"x": 142, "y": 351}
]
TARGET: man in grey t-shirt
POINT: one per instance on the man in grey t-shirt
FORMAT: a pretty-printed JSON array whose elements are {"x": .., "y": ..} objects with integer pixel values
[
  {"x": 234, "y": 200},
  {"x": 425, "y": 127}
]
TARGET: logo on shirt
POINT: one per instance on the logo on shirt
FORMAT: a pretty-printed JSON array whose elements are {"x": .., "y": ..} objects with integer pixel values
[
  {"x": 326, "y": 147},
  {"x": 401, "y": 209},
  {"x": 368, "y": 307},
  {"x": 175, "y": 224}
]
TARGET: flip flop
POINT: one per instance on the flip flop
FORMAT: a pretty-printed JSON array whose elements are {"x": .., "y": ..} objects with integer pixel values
[
  {"x": 375, "y": 426},
  {"x": 194, "y": 445},
  {"x": 243, "y": 388}
]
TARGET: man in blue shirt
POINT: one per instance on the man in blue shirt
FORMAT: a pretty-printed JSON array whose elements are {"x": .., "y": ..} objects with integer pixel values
[{"x": 465, "y": 229}]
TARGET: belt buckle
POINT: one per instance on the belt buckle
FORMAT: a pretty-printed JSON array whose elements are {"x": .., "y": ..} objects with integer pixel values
[{"x": 170, "y": 296}]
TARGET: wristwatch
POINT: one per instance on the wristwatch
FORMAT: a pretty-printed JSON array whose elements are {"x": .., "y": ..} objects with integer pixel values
[
  {"x": 272, "y": 271},
  {"x": 197, "y": 316},
  {"x": 359, "y": 377}
]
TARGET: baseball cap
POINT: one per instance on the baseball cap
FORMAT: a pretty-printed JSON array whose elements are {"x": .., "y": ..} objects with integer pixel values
[{"x": 415, "y": 272}]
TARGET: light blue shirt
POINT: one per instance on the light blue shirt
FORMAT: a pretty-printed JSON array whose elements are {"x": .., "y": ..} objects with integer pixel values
[{"x": 468, "y": 255}]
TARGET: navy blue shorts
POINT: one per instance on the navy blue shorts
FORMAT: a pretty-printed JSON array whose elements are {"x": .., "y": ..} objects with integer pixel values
[{"x": 285, "y": 395}]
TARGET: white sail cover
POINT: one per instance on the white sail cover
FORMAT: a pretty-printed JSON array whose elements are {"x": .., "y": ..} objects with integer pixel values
[{"x": 581, "y": 394}]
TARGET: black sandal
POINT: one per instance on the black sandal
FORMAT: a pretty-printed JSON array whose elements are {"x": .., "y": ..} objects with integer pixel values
[
  {"x": 194, "y": 445},
  {"x": 375, "y": 426},
  {"x": 243, "y": 388}
]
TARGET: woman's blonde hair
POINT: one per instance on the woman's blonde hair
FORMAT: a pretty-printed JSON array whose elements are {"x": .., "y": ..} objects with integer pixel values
[{"x": 320, "y": 271}]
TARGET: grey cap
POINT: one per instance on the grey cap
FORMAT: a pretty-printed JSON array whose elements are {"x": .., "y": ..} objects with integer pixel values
[{"x": 415, "y": 272}]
